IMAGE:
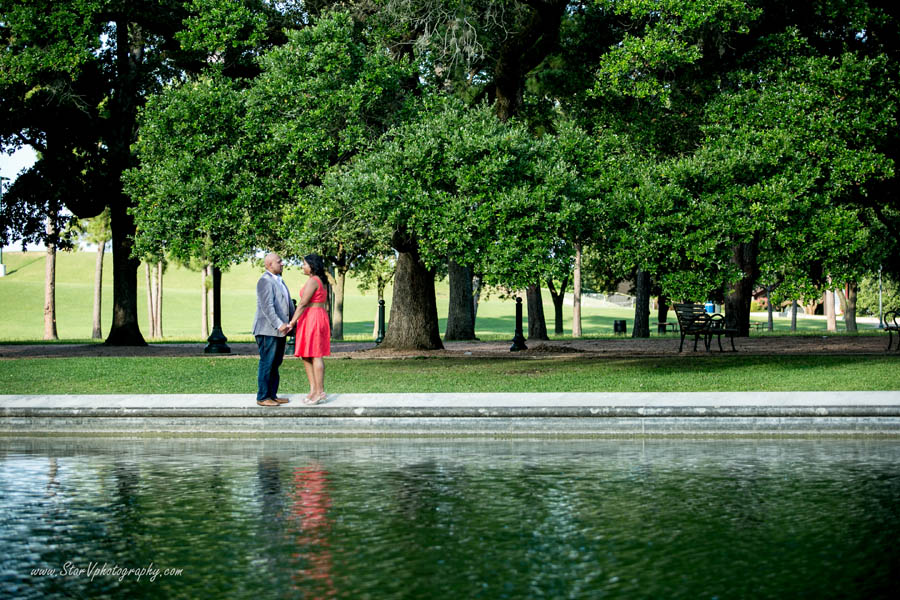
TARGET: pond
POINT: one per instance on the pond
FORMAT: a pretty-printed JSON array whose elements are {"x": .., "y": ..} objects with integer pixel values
[{"x": 294, "y": 518}]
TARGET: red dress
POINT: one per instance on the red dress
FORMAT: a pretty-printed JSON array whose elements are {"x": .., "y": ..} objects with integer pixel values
[{"x": 313, "y": 336}]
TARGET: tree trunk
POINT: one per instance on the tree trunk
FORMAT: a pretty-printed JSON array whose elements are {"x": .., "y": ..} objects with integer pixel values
[
  {"x": 157, "y": 306},
  {"x": 522, "y": 52},
  {"x": 830, "y": 318},
  {"x": 337, "y": 323},
  {"x": 461, "y": 312},
  {"x": 123, "y": 107},
  {"x": 737, "y": 302},
  {"x": 662, "y": 309},
  {"x": 769, "y": 307},
  {"x": 124, "y": 330},
  {"x": 97, "y": 332},
  {"x": 151, "y": 297},
  {"x": 576, "y": 294},
  {"x": 537, "y": 325},
  {"x": 204, "y": 304},
  {"x": 413, "y": 322},
  {"x": 50, "y": 285},
  {"x": 375, "y": 323},
  {"x": 476, "y": 295},
  {"x": 558, "y": 299},
  {"x": 794, "y": 305},
  {"x": 810, "y": 308},
  {"x": 848, "y": 306},
  {"x": 641, "y": 328}
]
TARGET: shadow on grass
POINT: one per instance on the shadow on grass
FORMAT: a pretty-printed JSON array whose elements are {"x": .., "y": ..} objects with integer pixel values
[{"x": 24, "y": 265}]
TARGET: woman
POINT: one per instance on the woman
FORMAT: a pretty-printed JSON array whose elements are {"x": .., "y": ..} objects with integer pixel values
[{"x": 313, "y": 337}]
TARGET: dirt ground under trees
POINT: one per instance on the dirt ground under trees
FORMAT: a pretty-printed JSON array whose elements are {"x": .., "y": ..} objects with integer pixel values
[{"x": 591, "y": 348}]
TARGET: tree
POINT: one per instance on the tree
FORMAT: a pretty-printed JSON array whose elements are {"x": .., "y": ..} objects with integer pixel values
[
  {"x": 558, "y": 297},
  {"x": 153, "y": 269},
  {"x": 39, "y": 219},
  {"x": 484, "y": 204},
  {"x": 186, "y": 191},
  {"x": 376, "y": 271},
  {"x": 189, "y": 192},
  {"x": 673, "y": 80},
  {"x": 480, "y": 51},
  {"x": 461, "y": 309},
  {"x": 789, "y": 153},
  {"x": 96, "y": 231},
  {"x": 322, "y": 98},
  {"x": 73, "y": 75},
  {"x": 50, "y": 282},
  {"x": 875, "y": 294}
]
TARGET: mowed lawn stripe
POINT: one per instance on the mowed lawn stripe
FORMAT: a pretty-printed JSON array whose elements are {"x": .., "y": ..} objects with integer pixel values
[{"x": 229, "y": 375}]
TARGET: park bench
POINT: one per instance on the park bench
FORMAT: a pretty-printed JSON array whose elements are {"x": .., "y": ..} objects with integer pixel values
[
  {"x": 892, "y": 324},
  {"x": 694, "y": 320}
]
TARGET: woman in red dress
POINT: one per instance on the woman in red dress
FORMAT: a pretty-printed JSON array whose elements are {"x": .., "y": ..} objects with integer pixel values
[{"x": 313, "y": 331}]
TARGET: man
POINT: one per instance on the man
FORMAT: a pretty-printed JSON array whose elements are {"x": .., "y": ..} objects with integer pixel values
[{"x": 270, "y": 326}]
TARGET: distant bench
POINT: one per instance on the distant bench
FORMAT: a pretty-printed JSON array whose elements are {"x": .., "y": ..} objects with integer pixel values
[{"x": 694, "y": 320}]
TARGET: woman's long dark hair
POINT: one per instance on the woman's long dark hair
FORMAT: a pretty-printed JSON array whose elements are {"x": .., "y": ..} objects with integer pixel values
[{"x": 317, "y": 267}]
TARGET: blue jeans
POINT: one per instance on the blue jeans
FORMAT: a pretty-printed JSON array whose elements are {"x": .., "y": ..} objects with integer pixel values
[{"x": 271, "y": 353}]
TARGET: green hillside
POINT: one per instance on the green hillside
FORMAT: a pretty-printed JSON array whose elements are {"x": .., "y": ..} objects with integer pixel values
[{"x": 22, "y": 299}]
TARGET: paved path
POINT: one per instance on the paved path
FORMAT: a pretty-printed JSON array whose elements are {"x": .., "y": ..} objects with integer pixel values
[
  {"x": 486, "y": 414},
  {"x": 618, "y": 347}
]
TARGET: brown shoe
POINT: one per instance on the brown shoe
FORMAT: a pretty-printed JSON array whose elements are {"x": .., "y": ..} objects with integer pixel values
[
  {"x": 282, "y": 400},
  {"x": 267, "y": 402}
]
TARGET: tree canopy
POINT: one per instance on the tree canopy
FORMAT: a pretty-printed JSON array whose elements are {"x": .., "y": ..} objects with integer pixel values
[{"x": 710, "y": 146}]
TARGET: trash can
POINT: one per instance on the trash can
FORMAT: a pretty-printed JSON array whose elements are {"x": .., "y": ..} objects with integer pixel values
[
  {"x": 619, "y": 326},
  {"x": 711, "y": 307}
]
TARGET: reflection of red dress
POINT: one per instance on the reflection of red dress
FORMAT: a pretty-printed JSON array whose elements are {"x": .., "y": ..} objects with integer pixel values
[
  {"x": 313, "y": 332},
  {"x": 310, "y": 512}
]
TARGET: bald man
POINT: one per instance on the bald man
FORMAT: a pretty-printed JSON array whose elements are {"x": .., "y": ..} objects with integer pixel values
[{"x": 270, "y": 326}]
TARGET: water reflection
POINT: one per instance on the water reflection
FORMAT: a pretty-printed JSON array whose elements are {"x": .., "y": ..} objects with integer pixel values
[
  {"x": 309, "y": 511},
  {"x": 469, "y": 519}
]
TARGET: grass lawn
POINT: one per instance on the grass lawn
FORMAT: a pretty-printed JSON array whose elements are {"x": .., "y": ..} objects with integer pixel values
[
  {"x": 22, "y": 299},
  {"x": 432, "y": 375}
]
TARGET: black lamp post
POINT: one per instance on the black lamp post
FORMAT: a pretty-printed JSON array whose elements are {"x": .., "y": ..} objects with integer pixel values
[
  {"x": 518, "y": 341},
  {"x": 216, "y": 340},
  {"x": 380, "y": 337}
]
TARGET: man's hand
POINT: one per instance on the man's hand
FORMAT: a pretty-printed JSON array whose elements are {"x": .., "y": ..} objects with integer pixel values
[{"x": 285, "y": 327}]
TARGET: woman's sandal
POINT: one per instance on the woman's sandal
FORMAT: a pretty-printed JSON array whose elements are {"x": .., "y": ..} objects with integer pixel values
[
  {"x": 312, "y": 401},
  {"x": 267, "y": 402}
]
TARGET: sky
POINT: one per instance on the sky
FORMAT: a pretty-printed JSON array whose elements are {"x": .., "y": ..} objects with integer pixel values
[{"x": 10, "y": 166}]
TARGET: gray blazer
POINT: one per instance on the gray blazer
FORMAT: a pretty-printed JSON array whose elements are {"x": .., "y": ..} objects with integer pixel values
[{"x": 273, "y": 307}]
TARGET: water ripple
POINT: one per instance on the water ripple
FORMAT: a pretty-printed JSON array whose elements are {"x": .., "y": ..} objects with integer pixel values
[{"x": 364, "y": 519}]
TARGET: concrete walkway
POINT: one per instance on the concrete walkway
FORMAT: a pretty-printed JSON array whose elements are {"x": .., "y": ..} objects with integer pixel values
[{"x": 462, "y": 415}]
